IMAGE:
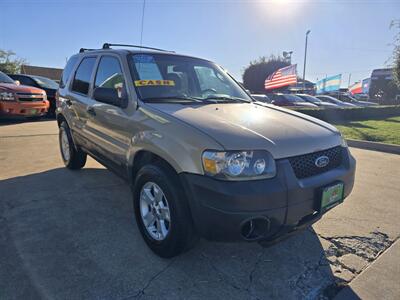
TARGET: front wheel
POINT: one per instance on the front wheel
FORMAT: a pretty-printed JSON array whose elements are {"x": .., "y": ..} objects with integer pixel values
[
  {"x": 162, "y": 213},
  {"x": 73, "y": 158}
]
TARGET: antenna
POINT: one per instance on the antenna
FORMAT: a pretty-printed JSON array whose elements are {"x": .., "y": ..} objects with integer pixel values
[{"x": 141, "y": 30}]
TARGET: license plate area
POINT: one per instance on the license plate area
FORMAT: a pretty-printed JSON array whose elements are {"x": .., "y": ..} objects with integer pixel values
[{"x": 331, "y": 196}]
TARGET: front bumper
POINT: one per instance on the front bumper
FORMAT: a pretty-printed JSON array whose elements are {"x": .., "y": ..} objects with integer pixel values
[
  {"x": 221, "y": 209},
  {"x": 15, "y": 108}
]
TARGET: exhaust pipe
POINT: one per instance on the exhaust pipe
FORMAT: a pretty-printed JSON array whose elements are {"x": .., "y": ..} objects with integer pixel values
[{"x": 255, "y": 228}]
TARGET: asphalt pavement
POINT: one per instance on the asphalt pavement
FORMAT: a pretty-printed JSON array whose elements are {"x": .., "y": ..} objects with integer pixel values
[{"x": 71, "y": 235}]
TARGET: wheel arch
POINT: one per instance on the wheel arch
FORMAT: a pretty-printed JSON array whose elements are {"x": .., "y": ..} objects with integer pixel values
[
  {"x": 143, "y": 157},
  {"x": 60, "y": 118}
]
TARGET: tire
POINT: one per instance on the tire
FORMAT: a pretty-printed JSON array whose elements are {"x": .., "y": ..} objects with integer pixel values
[
  {"x": 180, "y": 235},
  {"x": 72, "y": 157}
]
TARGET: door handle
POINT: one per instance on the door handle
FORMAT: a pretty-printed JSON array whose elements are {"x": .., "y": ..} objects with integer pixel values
[
  {"x": 90, "y": 110},
  {"x": 68, "y": 102}
]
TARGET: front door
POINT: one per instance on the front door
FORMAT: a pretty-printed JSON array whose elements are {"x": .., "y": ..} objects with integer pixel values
[{"x": 110, "y": 123}]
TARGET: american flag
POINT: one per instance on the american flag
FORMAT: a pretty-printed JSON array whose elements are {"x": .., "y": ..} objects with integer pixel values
[{"x": 281, "y": 77}]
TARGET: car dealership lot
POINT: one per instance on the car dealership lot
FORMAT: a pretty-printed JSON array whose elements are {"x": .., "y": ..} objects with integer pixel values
[{"x": 66, "y": 234}]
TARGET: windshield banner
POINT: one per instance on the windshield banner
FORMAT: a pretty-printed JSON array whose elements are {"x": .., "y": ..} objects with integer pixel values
[{"x": 154, "y": 82}]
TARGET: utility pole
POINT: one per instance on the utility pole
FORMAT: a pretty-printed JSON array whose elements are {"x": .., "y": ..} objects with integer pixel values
[
  {"x": 348, "y": 85},
  {"x": 305, "y": 61}
]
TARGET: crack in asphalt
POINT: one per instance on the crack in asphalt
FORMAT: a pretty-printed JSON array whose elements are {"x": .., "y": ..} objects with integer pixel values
[
  {"x": 228, "y": 280},
  {"x": 367, "y": 248},
  {"x": 223, "y": 276},
  {"x": 142, "y": 291},
  {"x": 303, "y": 284}
]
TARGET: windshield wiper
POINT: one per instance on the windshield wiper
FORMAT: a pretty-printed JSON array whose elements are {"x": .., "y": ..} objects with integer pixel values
[
  {"x": 227, "y": 98},
  {"x": 161, "y": 99}
]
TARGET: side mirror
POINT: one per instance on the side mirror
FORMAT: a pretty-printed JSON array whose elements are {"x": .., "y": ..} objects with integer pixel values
[
  {"x": 109, "y": 96},
  {"x": 17, "y": 82}
]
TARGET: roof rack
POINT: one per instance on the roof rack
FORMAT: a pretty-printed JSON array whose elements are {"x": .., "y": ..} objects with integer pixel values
[
  {"x": 108, "y": 46},
  {"x": 86, "y": 49}
]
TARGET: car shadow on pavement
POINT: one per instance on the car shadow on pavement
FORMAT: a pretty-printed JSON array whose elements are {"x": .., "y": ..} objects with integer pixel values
[
  {"x": 72, "y": 234},
  {"x": 12, "y": 121}
]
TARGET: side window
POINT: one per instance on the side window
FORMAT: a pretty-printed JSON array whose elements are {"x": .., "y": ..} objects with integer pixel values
[
  {"x": 109, "y": 75},
  {"x": 67, "y": 71},
  {"x": 81, "y": 81}
]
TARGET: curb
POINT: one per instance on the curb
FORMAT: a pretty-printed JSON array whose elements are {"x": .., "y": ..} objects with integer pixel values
[
  {"x": 376, "y": 281},
  {"x": 387, "y": 148}
]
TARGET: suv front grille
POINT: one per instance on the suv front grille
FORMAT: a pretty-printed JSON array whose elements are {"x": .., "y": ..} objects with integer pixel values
[
  {"x": 29, "y": 97},
  {"x": 304, "y": 165}
]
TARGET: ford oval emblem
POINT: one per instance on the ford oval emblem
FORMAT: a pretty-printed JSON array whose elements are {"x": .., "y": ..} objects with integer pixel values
[{"x": 322, "y": 161}]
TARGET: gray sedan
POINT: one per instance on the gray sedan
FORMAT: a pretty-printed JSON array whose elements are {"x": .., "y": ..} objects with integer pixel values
[
  {"x": 316, "y": 101},
  {"x": 333, "y": 100}
]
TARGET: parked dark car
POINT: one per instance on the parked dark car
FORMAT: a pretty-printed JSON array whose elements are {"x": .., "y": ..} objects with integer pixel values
[
  {"x": 316, "y": 101},
  {"x": 44, "y": 83},
  {"x": 289, "y": 100},
  {"x": 261, "y": 98}
]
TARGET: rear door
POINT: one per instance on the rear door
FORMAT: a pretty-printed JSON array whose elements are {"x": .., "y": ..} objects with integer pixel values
[{"x": 79, "y": 100}]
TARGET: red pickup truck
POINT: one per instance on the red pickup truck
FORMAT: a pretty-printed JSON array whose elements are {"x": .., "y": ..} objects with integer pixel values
[{"x": 21, "y": 100}]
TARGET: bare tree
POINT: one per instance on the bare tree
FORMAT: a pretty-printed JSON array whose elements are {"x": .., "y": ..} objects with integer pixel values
[{"x": 9, "y": 63}]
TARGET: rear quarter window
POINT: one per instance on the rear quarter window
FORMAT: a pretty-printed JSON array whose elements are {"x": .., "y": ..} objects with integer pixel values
[
  {"x": 83, "y": 74},
  {"x": 67, "y": 71}
]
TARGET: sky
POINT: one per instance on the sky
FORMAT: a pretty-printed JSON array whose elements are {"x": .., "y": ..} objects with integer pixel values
[{"x": 347, "y": 37}]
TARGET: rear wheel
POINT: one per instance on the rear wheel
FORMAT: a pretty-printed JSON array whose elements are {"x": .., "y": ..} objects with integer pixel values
[
  {"x": 73, "y": 158},
  {"x": 162, "y": 213}
]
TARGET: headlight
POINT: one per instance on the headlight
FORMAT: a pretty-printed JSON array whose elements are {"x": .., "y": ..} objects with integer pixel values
[
  {"x": 239, "y": 165},
  {"x": 6, "y": 96}
]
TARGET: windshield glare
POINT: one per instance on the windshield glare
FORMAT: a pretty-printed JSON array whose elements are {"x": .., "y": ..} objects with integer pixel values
[
  {"x": 45, "y": 82},
  {"x": 164, "y": 76},
  {"x": 5, "y": 79}
]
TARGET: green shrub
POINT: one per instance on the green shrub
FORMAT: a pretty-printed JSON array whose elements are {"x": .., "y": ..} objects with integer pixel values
[{"x": 337, "y": 115}]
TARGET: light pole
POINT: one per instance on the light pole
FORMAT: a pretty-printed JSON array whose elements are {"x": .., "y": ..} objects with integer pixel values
[{"x": 305, "y": 61}]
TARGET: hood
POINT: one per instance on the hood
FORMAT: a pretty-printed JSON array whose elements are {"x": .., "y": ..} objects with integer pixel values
[
  {"x": 11, "y": 87},
  {"x": 250, "y": 126}
]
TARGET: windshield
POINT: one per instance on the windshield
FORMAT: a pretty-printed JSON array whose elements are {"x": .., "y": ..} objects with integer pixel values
[
  {"x": 293, "y": 98},
  {"x": 45, "y": 82},
  {"x": 5, "y": 79},
  {"x": 166, "y": 78},
  {"x": 347, "y": 98}
]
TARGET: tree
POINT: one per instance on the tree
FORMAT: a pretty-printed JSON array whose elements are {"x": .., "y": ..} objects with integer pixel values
[
  {"x": 258, "y": 70},
  {"x": 9, "y": 64},
  {"x": 396, "y": 53}
]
